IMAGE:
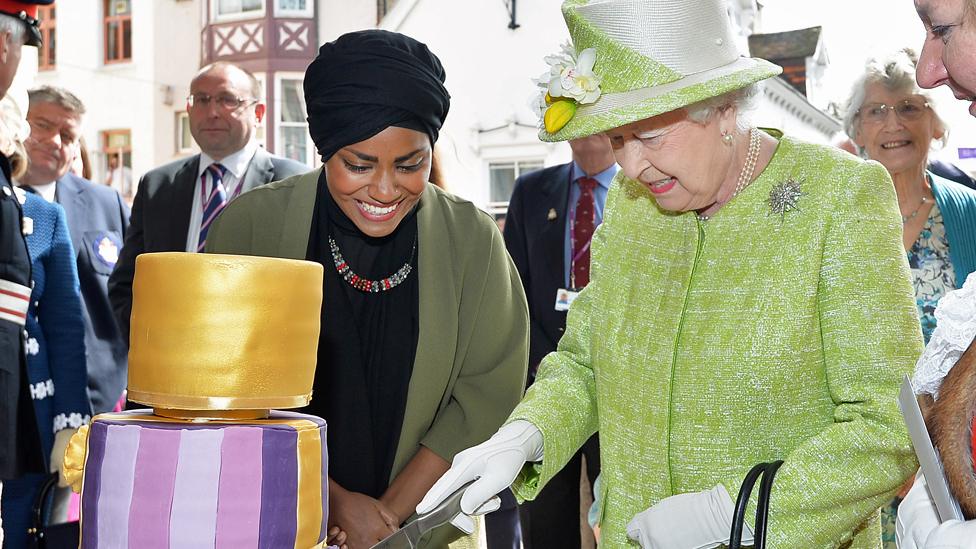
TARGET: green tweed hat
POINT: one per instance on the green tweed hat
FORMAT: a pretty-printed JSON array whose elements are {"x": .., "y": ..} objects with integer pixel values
[{"x": 634, "y": 59}]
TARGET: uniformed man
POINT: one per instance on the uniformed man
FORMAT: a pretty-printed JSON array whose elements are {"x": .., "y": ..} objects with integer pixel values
[{"x": 20, "y": 446}]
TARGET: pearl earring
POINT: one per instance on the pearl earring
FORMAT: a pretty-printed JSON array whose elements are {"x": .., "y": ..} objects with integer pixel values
[{"x": 727, "y": 138}]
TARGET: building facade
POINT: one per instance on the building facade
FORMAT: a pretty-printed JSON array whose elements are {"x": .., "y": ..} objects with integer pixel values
[{"x": 131, "y": 62}]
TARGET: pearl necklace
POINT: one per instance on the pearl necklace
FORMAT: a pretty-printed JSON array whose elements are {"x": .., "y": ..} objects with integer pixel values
[{"x": 748, "y": 169}]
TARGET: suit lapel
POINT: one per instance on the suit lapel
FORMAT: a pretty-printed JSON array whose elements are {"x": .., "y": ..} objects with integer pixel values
[
  {"x": 76, "y": 203},
  {"x": 552, "y": 235},
  {"x": 259, "y": 171},
  {"x": 184, "y": 185}
]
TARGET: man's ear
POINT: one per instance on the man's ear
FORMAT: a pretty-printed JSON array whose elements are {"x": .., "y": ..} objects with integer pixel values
[
  {"x": 5, "y": 45},
  {"x": 259, "y": 111}
]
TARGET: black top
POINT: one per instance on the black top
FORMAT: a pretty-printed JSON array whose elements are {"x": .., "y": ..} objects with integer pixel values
[
  {"x": 367, "y": 345},
  {"x": 20, "y": 443}
]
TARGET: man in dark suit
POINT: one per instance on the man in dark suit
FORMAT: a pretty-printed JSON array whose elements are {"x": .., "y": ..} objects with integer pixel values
[
  {"x": 551, "y": 218},
  {"x": 20, "y": 445},
  {"x": 175, "y": 203},
  {"x": 97, "y": 220}
]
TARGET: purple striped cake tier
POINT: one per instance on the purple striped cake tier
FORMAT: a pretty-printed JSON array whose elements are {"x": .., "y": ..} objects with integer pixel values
[{"x": 155, "y": 482}]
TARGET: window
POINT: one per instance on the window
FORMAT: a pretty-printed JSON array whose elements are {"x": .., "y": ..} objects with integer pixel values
[
  {"x": 184, "y": 139},
  {"x": 224, "y": 10},
  {"x": 117, "y": 148},
  {"x": 501, "y": 181},
  {"x": 383, "y": 7},
  {"x": 46, "y": 53},
  {"x": 118, "y": 31},
  {"x": 293, "y": 8},
  {"x": 292, "y": 139}
]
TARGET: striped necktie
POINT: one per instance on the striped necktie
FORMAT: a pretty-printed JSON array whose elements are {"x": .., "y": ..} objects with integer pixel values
[{"x": 214, "y": 201}]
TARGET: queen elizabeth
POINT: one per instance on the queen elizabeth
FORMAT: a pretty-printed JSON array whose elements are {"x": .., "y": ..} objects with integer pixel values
[{"x": 749, "y": 301}]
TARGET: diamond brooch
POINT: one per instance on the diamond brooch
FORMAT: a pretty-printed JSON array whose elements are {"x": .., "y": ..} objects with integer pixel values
[{"x": 784, "y": 197}]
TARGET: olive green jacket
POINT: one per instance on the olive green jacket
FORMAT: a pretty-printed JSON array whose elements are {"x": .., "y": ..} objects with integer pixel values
[
  {"x": 701, "y": 348},
  {"x": 472, "y": 350}
]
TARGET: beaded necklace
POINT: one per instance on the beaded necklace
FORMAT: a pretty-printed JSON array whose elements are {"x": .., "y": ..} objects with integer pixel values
[{"x": 364, "y": 284}]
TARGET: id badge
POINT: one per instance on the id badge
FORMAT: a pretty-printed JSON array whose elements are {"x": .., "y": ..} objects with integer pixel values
[{"x": 565, "y": 298}]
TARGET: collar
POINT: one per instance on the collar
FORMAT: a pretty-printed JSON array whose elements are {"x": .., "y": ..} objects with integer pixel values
[
  {"x": 235, "y": 163},
  {"x": 604, "y": 178},
  {"x": 48, "y": 191}
]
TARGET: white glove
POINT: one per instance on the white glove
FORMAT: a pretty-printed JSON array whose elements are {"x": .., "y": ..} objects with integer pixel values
[
  {"x": 493, "y": 465},
  {"x": 61, "y": 439},
  {"x": 918, "y": 525},
  {"x": 698, "y": 520}
]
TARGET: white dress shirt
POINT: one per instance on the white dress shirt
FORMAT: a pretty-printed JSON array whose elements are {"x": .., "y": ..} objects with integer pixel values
[
  {"x": 236, "y": 165},
  {"x": 48, "y": 191}
]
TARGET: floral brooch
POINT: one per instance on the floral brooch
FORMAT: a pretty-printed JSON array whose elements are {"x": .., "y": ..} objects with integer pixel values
[{"x": 568, "y": 83}]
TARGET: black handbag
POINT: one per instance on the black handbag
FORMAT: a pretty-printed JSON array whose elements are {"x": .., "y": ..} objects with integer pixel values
[
  {"x": 50, "y": 536},
  {"x": 767, "y": 471}
]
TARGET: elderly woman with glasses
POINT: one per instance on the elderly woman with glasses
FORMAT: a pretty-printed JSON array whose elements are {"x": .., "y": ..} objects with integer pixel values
[{"x": 893, "y": 121}]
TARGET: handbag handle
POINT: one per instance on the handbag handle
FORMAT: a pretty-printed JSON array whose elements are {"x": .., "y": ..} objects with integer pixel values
[
  {"x": 767, "y": 471},
  {"x": 37, "y": 511}
]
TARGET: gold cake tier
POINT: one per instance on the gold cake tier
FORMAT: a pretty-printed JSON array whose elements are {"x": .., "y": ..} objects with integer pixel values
[{"x": 223, "y": 332}]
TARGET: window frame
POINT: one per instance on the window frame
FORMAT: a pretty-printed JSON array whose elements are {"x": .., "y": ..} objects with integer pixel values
[
  {"x": 181, "y": 147},
  {"x": 311, "y": 154},
  {"x": 47, "y": 53},
  {"x": 217, "y": 17},
  {"x": 119, "y": 34},
  {"x": 499, "y": 207},
  {"x": 104, "y": 140},
  {"x": 307, "y": 13}
]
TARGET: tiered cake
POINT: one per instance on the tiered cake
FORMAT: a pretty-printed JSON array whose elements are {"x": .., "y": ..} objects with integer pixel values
[{"x": 216, "y": 342}]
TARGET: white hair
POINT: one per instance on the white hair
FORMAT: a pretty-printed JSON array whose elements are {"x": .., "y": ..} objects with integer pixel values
[
  {"x": 896, "y": 72},
  {"x": 743, "y": 100},
  {"x": 13, "y": 26}
]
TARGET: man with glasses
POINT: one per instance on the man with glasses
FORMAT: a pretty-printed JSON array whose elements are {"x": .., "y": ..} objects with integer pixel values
[
  {"x": 97, "y": 221},
  {"x": 176, "y": 203}
]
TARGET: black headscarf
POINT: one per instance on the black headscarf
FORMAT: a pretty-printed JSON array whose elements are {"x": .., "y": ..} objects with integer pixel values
[{"x": 366, "y": 81}]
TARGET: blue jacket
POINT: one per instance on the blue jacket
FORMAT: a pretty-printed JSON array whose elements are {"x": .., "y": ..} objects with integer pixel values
[
  {"x": 958, "y": 206},
  {"x": 98, "y": 220},
  {"x": 55, "y": 327}
]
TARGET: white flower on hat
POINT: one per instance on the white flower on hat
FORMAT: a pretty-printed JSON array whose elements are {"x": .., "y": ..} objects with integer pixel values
[
  {"x": 571, "y": 75},
  {"x": 570, "y": 81}
]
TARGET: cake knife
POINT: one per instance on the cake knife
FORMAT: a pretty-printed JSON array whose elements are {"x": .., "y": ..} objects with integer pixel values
[{"x": 409, "y": 536}]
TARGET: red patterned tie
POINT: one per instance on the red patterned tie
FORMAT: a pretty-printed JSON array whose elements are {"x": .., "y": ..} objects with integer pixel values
[{"x": 583, "y": 225}]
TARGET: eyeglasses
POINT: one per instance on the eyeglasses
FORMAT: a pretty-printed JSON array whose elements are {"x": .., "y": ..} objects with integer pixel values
[
  {"x": 908, "y": 109},
  {"x": 225, "y": 101}
]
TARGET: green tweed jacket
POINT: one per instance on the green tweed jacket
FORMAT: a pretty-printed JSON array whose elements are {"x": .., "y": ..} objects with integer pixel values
[
  {"x": 701, "y": 348},
  {"x": 472, "y": 351}
]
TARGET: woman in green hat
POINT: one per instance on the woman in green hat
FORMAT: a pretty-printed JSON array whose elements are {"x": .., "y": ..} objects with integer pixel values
[{"x": 749, "y": 301}]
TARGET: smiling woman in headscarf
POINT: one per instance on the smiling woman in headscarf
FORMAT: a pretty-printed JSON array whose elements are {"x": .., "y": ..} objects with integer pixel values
[{"x": 424, "y": 339}]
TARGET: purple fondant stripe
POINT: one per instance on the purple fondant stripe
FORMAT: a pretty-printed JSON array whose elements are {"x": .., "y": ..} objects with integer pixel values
[
  {"x": 118, "y": 472},
  {"x": 193, "y": 522},
  {"x": 92, "y": 485},
  {"x": 152, "y": 488},
  {"x": 279, "y": 487},
  {"x": 240, "y": 488}
]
